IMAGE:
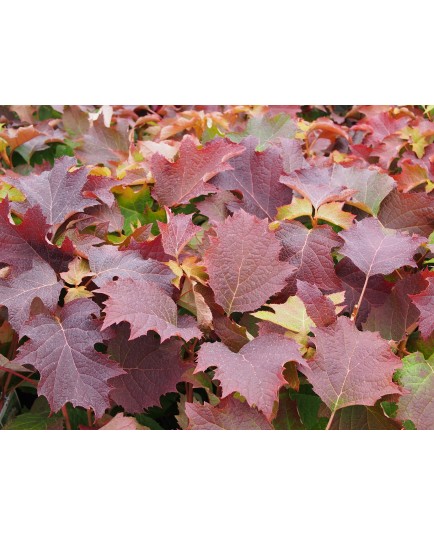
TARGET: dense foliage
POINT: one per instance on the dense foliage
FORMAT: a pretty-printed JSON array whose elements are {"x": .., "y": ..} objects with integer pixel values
[{"x": 216, "y": 267}]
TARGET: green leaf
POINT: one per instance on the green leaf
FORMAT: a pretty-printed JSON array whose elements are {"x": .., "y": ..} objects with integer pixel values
[
  {"x": 138, "y": 208},
  {"x": 266, "y": 129}
]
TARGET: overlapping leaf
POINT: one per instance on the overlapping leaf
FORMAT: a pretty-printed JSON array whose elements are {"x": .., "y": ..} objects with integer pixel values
[
  {"x": 62, "y": 349},
  {"x": 256, "y": 371},
  {"x": 253, "y": 272}
]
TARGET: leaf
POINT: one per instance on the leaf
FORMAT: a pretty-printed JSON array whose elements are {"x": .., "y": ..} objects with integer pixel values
[
  {"x": 309, "y": 252},
  {"x": 397, "y": 314},
  {"x": 412, "y": 212},
  {"x": 353, "y": 280},
  {"x": 152, "y": 369},
  {"x": 78, "y": 269},
  {"x": 363, "y": 418},
  {"x": 371, "y": 186},
  {"x": 38, "y": 418},
  {"x": 297, "y": 208},
  {"x": 61, "y": 348},
  {"x": 176, "y": 233},
  {"x": 249, "y": 252},
  {"x": 145, "y": 306},
  {"x": 350, "y": 367},
  {"x": 137, "y": 207},
  {"x": 178, "y": 182},
  {"x": 102, "y": 145},
  {"x": 107, "y": 262},
  {"x": 230, "y": 414},
  {"x": 266, "y": 130},
  {"x": 256, "y": 371},
  {"x": 18, "y": 293},
  {"x": 287, "y": 417},
  {"x": 215, "y": 206},
  {"x": 292, "y": 155},
  {"x": 411, "y": 176},
  {"x": 320, "y": 308},
  {"x": 316, "y": 185},
  {"x": 230, "y": 333},
  {"x": 256, "y": 175},
  {"x": 290, "y": 315},
  {"x": 333, "y": 213},
  {"x": 193, "y": 300},
  {"x": 424, "y": 301},
  {"x": 384, "y": 250},
  {"x": 122, "y": 422},
  {"x": 417, "y": 403},
  {"x": 27, "y": 242},
  {"x": 57, "y": 192}
]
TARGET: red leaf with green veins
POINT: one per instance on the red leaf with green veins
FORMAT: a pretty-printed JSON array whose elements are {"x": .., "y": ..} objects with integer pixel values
[
  {"x": 152, "y": 369},
  {"x": 17, "y": 293},
  {"x": 61, "y": 348},
  {"x": 178, "y": 182},
  {"x": 350, "y": 367},
  {"x": 27, "y": 242},
  {"x": 57, "y": 192},
  {"x": 256, "y": 371},
  {"x": 249, "y": 253},
  {"x": 145, "y": 306},
  {"x": 378, "y": 250},
  {"x": 230, "y": 414},
  {"x": 424, "y": 301},
  {"x": 176, "y": 233},
  {"x": 417, "y": 402},
  {"x": 256, "y": 175},
  {"x": 107, "y": 262},
  {"x": 309, "y": 251}
]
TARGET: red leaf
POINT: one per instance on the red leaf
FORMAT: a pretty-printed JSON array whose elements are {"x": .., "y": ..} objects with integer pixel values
[
  {"x": 424, "y": 301},
  {"x": 398, "y": 313},
  {"x": 61, "y": 348},
  {"x": 25, "y": 243},
  {"x": 320, "y": 308},
  {"x": 107, "y": 262},
  {"x": 18, "y": 293},
  {"x": 412, "y": 212},
  {"x": 152, "y": 370},
  {"x": 256, "y": 175},
  {"x": 178, "y": 182},
  {"x": 350, "y": 367},
  {"x": 57, "y": 192},
  {"x": 249, "y": 253},
  {"x": 176, "y": 233},
  {"x": 316, "y": 185},
  {"x": 309, "y": 251},
  {"x": 377, "y": 250},
  {"x": 230, "y": 414},
  {"x": 145, "y": 306},
  {"x": 256, "y": 371}
]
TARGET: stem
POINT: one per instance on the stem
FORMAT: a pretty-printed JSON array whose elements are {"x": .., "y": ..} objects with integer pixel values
[
  {"x": 189, "y": 391},
  {"x": 66, "y": 417},
  {"x": 332, "y": 416},
  {"x": 89, "y": 417},
  {"x": 15, "y": 373},
  {"x": 359, "y": 303}
]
